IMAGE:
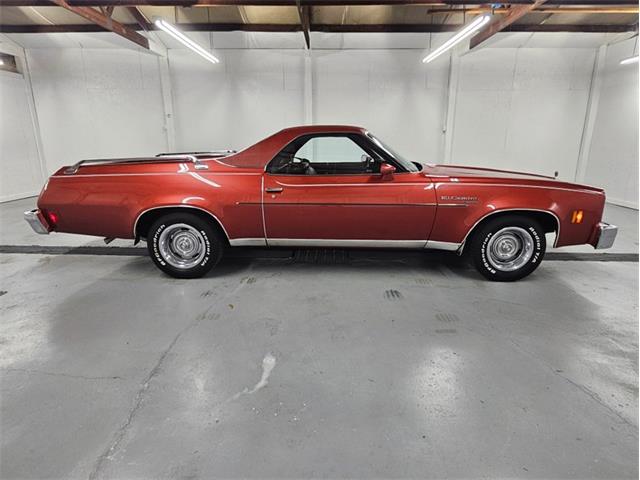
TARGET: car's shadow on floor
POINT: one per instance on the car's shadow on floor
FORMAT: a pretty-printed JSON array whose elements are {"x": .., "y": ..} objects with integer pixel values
[{"x": 237, "y": 259}]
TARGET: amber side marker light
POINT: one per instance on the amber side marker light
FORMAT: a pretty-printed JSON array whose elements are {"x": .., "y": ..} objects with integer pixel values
[{"x": 576, "y": 217}]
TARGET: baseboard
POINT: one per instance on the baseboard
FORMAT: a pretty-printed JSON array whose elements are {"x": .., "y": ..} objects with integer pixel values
[
  {"x": 17, "y": 196},
  {"x": 622, "y": 203}
]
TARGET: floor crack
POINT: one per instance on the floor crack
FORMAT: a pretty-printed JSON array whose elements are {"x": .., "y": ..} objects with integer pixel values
[{"x": 144, "y": 386}]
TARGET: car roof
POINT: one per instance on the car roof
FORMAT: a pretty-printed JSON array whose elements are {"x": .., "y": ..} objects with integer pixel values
[{"x": 302, "y": 129}]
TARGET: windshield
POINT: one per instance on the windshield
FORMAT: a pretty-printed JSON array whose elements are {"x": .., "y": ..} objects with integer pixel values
[{"x": 406, "y": 164}]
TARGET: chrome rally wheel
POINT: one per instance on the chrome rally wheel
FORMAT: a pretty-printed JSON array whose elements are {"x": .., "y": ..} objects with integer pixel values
[
  {"x": 508, "y": 247},
  {"x": 184, "y": 245}
]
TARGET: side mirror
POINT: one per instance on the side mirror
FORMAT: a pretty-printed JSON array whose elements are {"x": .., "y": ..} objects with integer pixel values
[{"x": 386, "y": 170}]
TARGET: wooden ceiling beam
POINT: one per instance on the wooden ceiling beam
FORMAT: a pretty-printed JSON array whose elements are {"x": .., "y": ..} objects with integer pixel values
[
  {"x": 359, "y": 28},
  {"x": 569, "y": 10},
  {"x": 140, "y": 18},
  {"x": 500, "y": 23},
  {"x": 304, "y": 12},
  {"x": 106, "y": 23}
]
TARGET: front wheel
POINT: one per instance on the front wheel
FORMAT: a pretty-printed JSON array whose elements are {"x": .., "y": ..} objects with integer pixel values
[
  {"x": 184, "y": 245},
  {"x": 508, "y": 248}
]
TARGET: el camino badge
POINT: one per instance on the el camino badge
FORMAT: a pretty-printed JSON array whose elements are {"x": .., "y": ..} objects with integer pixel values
[{"x": 459, "y": 198}]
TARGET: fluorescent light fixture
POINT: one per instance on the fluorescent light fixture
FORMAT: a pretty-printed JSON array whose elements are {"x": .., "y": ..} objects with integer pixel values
[
  {"x": 470, "y": 29},
  {"x": 186, "y": 41},
  {"x": 630, "y": 60}
]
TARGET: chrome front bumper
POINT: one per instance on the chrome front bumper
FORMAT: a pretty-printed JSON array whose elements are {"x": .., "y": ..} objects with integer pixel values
[
  {"x": 37, "y": 221},
  {"x": 606, "y": 235}
]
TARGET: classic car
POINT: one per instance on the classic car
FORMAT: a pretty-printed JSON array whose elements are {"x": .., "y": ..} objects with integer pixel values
[{"x": 319, "y": 186}]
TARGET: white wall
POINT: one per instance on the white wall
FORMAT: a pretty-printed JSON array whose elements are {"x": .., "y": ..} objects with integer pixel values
[
  {"x": 96, "y": 103},
  {"x": 518, "y": 104},
  {"x": 613, "y": 153},
  {"x": 249, "y": 95},
  {"x": 389, "y": 92},
  {"x": 522, "y": 108},
  {"x": 253, "y": 93},
  {"x": 20, "y": 170}
]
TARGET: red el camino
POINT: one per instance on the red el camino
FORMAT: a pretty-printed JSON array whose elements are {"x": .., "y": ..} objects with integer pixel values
[{"x": 319, "y": 186}]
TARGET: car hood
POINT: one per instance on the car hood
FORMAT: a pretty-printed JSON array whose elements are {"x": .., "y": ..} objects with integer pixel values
[
  {"x": 463, "y": 171},
  {"x": 506, "y": 176}
]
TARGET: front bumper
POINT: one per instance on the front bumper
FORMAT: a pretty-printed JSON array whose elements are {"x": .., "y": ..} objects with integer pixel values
[
  {"x": 605, "y": 234},
  {"x": 37, "y": 221}
]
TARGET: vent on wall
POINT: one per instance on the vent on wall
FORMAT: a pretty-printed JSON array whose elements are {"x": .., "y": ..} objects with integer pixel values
[{"x": 8, "y": 63}]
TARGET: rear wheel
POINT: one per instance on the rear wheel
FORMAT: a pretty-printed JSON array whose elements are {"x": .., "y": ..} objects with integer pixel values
[
  {"x": 508, "y": 248},
  {"x": 184, "y": 245}
]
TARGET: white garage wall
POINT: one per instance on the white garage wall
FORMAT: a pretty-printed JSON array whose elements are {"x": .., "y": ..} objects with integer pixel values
[
  {"x": 613, "y": 154},
  {"x": 387, "y": 91},
  {"x": 96, "y": 103},
  {"x": 20, "y": 170},
  {"x": 249, "y": 95},
  {"x": 518, "y": 104},
  {"x": 522, "y": 108}
]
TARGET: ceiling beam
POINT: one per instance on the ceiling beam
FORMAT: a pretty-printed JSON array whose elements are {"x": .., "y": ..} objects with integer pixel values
[
  {"x": 359, "y": 28},
  {"x": 142, "y": 21},
  {"x": 205, "y": 3},
  {"x": 304, "y": 12},
  {"x": 570, "y": 10},
  {"x": 107, "y": 11},
  {"x": 500, "y": 23},
  {"x": 106, "y": 23}
]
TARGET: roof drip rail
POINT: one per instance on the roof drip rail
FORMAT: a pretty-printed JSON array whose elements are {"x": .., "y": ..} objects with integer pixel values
[{"x": 198, "y": 165}]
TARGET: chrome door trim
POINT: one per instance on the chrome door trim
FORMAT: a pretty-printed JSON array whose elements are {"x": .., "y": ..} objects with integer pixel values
[
  {"x": 437, "y": 245},
  {"x": 359, "y": 243},
  {"x": 248, "y": 242},
  {"x": 316, "y": 242}
]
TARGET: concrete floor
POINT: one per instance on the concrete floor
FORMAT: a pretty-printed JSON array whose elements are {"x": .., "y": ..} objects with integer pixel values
[{"x": 349, "y": 365}]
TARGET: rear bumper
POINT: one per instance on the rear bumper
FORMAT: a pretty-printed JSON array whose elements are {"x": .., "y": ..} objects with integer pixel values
[
  {"x": 37, "y": 221},
  {"x": 605, "y": 235}
]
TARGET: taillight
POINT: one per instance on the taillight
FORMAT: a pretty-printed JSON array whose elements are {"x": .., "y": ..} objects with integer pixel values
[{"x": 52, "y": 218}]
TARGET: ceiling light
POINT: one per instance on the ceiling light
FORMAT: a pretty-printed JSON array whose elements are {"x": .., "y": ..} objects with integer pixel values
[
  {"x": 470, "y": 29},
  {"x": 186, "y": 41},
  {"x": 1, "y": 61},
  {"x": 629, "y": 60}
]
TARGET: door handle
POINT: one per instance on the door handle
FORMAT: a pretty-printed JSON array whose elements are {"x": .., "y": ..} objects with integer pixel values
[{"x": 274, "y": 189}]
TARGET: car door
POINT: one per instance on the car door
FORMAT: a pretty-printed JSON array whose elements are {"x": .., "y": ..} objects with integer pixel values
[{"x": 326, "y": 189}]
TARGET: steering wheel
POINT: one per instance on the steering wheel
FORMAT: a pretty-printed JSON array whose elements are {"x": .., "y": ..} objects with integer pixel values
[{"x": 303, "y": 163}]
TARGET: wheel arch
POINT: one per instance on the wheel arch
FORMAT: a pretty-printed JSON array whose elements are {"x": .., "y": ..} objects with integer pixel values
[
  {"x": 548, "y": 219},
  {"x": 145, "y": 219}
]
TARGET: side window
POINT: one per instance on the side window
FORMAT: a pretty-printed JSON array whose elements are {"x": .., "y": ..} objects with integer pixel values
[
  {"x": 331, "y": 150},
  {"x": 324, "y": 155}
]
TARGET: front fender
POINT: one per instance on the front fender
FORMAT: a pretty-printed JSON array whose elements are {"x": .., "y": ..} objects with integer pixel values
[{"x": 462, "y": 206}]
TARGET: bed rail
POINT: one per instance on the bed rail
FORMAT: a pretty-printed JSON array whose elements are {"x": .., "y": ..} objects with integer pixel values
[
  {"x": 162, "y": 158},
  {"x": 208, "y": 154}
]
